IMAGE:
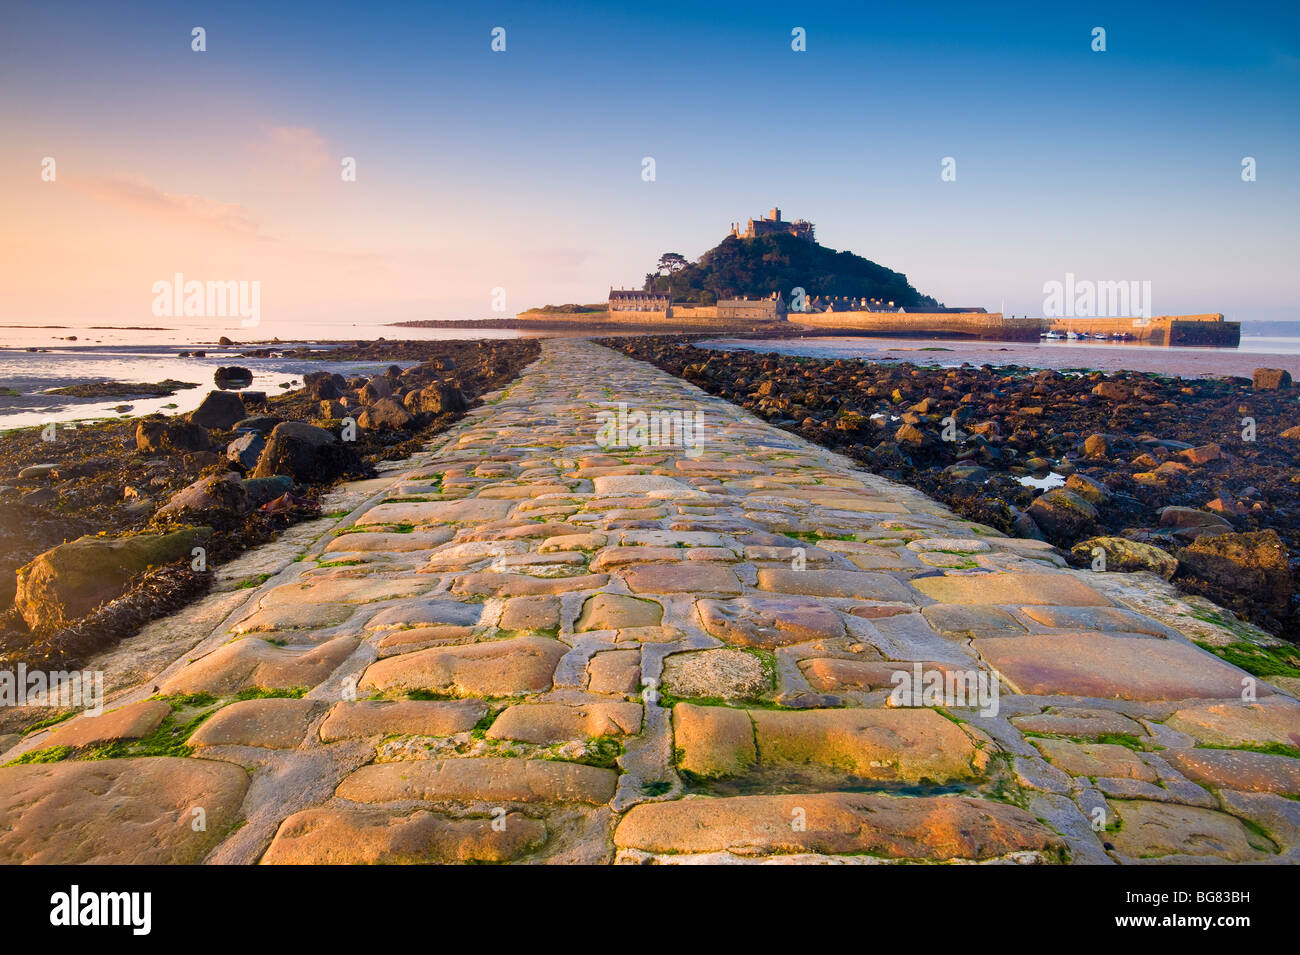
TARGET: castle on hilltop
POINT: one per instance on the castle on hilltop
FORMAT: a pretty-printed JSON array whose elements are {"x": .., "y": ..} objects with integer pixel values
[{"x": 774, "y": 225}]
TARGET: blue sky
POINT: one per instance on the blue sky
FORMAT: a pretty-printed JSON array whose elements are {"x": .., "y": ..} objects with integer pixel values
[{"x": 522, "y": 169}]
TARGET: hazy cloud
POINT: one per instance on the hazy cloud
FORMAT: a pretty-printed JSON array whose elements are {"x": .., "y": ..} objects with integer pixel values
[
  {"x": 147, "y": 199},
  {"x": 295, "y": 152}
]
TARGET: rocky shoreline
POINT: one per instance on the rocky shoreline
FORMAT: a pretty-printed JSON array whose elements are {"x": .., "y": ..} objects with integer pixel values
[
  {"x": 1192, "y": 479},
  {"x": 99, "y": 523}
]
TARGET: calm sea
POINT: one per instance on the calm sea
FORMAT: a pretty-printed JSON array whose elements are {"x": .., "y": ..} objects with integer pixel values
[
  {"x": 1280, "y": 348},
  {"x": 150, "y": 355}
]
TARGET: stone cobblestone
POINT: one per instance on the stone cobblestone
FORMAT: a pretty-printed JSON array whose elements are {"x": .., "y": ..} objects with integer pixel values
[{"x": 529, "y": 645}]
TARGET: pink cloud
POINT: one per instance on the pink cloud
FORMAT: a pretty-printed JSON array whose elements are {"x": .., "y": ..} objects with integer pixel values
[{"x": 147, "y": 199}]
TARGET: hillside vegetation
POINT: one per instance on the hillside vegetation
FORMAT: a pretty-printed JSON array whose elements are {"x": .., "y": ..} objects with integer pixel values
[{"x": 779, "y": 263}]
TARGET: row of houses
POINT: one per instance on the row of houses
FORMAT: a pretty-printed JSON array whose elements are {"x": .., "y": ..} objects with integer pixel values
[
  {"x": 769, "y": 308},
  {"x": 659, "y": 305}
]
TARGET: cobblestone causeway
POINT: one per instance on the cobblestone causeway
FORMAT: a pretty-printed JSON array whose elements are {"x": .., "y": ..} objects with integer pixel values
[{"x": 529, "y": 647}]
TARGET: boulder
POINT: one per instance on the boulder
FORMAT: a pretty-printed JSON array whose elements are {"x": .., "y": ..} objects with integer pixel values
[
  {"x": 244, "y": 451},
  {"x": 1062, "y": 513},
  {"x": 264, "y": 490},
  {"x": 219, "y": 410},
  {"x": 1270, "y": 379},
  {"x": 1127, "y": 556},
  {"x": 262, "y": 424},
  {"x": 159, "y": 434},
  {"x": 420, "y": 375},
  {"x": 305, "y": 453},
  {"x": 1173, "y": 516},
  {"x": 384, "y": 414},
  {"x": 232, "y": 376},
  {"x": 1113, "y": 390},
  {"x": 1094, "y": 492},
  {"x": 1096, "y": 446},
  {"x": 1253, "y": 565},
  {"x": 69, "y": 581},
  {"x": 321, "y": 385},
  {"x": 213, "y": 496},
  {"x": 436, "y": 398},
  {"x": 375, "y": 389}
]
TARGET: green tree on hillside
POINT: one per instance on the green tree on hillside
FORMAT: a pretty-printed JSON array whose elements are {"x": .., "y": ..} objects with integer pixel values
[
  {"x": 671, "y": 262},
  {"x": 779, "y": 263}
]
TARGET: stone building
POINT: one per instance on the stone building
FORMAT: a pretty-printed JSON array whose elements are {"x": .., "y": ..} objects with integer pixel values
[
  {"x": 774, "y": 225},
  {"x": 769, "y": 309},
  {"x": 636, "y": 300}
]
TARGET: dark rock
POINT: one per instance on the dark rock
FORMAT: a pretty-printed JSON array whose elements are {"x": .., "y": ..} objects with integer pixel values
[
  {"x": 1127, "y": 555},
  {"x": 245, "y": 450},
  {"x": 1113, "y": 390},
  {"x": 323, "y": 384},
  {"x": 1254, "y": 566},
  {"x": 259, "y": 423},
  {"x": 1094, "y": 492},
  {"x": 219, "y": 411},
  {"x": 160, "y": 434},
  {"x": 968, "y": 472},
  {"x": 40, "y": 497},
  {"x": 1270, "y": 379},
  {"x": 436, "y": 398},
  {"x": 375, "y": 389},
  {"x": 232, "y": 376},
  {"x": 216, "y": 496},
  {"x": 1022, "y": 525},
  {"x": 384, "y": 414},
  {"x": 1190, "y": 517},
  {"x": 1185, "y": 535},
  {"x": 1062, "y": 513},
  {"x": 305, "y": 453},
  {"x": 261, "y": 490}
]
